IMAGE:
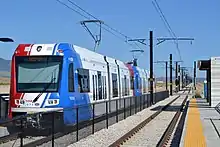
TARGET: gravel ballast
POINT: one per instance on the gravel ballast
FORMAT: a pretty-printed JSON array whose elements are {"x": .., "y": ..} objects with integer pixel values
[
  {"x": 150, "y": 134},
  {"x": 105, "y": 137}
]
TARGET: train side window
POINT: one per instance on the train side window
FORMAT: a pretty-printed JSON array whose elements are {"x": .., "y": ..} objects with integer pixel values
[
  {"x": 83, "y": 80},
  {"x": 137, "y": 82},
  {"x": 145, "y": 87},
  {"x": 99, "y": 85},
  {"x": 132, "y": 82},
  {"x": 71, "y": 78},
  {"x": 140, "y": 84},
  {"x": 103, "y": 91},
  {"x": 126, "y": 86},
  {"x": 96, "y": 88},
  {"x": 114, "y": 85},
  {"x": 123, "y": 86},
  {"x": 93, "y": 84},
  {"x": 105, "y": 87}
]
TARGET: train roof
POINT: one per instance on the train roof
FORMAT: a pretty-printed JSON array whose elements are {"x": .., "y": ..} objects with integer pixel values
[
  {"x": 84, "y": 52},
  {"x": 51, "y": 49}
]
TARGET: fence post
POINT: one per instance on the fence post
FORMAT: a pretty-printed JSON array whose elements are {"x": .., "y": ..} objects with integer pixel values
[
  {"x": 148, "y": 103},
  {"x": 77, "y": 123},
  {"x": 117, "y": 110},
  {"x": 106, "y": 106},
  {"x": 130, "y": 105},
  {"x": 140, "y": 102},
  {"x": 21, "y": 135},
  {"x": 135, "y": 103},
  {"x": 53, "y": 129},
  {"x": 93, "y": 117},
  {"x": 124, "y": 109}
]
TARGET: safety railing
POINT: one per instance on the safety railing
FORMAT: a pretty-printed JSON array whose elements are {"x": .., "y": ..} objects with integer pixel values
[{"x": 73, "y": 123}]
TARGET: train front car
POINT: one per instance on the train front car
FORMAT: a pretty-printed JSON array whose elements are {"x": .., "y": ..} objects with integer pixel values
[{"x": 42, "y": 80}]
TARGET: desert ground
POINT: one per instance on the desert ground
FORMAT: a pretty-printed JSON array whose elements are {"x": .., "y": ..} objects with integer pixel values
[{"x": 4, "y": 85}]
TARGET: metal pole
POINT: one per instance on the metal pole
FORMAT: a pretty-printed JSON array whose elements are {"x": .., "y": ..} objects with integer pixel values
[
  {"x": 21, "y": 134},
  {"x": 93, "y": 118},
  {"x": 106, "y": 115},
  {"x": 151, "y": 67},
  {"x": 166, "y": 75},
  {"x": 179, "y": 77},
  {"x": 176, "y": 75},
  {"x": 77, "y": 123},
  {"x": 207, "y": 79},
  {"x": 195, "y": 75},
  {"x": 124, "y": 109},
  {"x": 171, "y": 81},
  {"x": 182, "y": 78},
  {"x": 53, "y": 122},
  {"x": 117, "y": 110}
]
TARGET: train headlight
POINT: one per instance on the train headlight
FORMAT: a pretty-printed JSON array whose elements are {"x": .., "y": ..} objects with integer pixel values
[
  {"x": 53, "y": 101},
  {"x": 50, "y": 101}
]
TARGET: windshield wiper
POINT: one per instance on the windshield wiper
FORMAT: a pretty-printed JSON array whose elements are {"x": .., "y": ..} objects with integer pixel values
[{"x": 45, "y": 89}]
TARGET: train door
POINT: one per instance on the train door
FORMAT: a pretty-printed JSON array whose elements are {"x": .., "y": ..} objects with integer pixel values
[
  {"x": 132, "y": 85},
  {"x": 94, "y": 86},
  {"x": 99, "y": 88},
  {"x": 104, "y": 85},
  {"x": 71, "y": 79},
  {"x": 70, "y": 90}
]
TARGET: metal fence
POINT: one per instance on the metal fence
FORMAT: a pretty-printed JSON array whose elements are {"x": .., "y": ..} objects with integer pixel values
[{"x": 103, "y": 114}]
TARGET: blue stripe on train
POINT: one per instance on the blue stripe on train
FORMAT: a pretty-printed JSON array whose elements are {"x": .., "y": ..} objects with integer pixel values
[
  {"x": 137, "y": 91},
  {"x": 69, "y": 100}
]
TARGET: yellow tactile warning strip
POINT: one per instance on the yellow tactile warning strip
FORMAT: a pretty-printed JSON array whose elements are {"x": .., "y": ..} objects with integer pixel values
[{"x": 194, "y": 132}]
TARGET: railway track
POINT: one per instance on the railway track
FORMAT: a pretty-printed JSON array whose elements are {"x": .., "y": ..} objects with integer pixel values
[
  {"x": 123, "y": 141},
  {"x": 169, "y": 131},
  {"x": 28, "y": 140}
]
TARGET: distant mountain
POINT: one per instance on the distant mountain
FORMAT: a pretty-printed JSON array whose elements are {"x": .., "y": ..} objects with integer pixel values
[{"x": 5, "y": 67}]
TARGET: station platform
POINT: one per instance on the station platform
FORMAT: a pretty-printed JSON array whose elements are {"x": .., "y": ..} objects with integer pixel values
[{"x": 202, "y": 125}]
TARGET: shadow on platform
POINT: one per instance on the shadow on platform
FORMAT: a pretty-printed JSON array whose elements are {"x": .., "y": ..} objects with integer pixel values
[{"x": 170, "y": 108}]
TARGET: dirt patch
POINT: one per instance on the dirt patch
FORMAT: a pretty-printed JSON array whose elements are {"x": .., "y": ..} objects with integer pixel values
[{"x": 4, "y": 81}]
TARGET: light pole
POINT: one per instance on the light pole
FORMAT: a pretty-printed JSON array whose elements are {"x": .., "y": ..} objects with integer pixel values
[
  {"x": 142, "y": 41},
  {"x": 160, "y": 40},
  {"x": 177, "y": 76}
]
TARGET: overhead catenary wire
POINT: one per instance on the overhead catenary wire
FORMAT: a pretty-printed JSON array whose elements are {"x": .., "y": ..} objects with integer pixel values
[
  {"x": 108, "y": 29},
  {"x": 167, "y": 25},
  {"x": 111, "y": 28}
]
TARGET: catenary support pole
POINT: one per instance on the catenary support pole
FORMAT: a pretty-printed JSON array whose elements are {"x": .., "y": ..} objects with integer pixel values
[
  {"x": 166, "y": 75},
  {"x": 182, "y": 76},
  {"x": 176, "y": 76},
  {"x": 151, "y": 67},
  {"x": 195, "y": 75},
  {"x": 179, "y": 78},
  {"x": 171, "y": 70}
]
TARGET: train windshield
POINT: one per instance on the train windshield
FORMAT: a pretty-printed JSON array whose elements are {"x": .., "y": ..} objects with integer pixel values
[{"x": 38, "y": 73}]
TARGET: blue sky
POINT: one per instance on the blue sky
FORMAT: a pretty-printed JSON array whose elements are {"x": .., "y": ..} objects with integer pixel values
[{"x": 47, "y": 21}]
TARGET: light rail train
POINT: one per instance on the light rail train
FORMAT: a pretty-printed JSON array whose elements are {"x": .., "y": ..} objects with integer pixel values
[{"x": 54, "y": 77}]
